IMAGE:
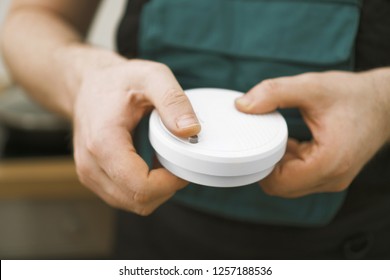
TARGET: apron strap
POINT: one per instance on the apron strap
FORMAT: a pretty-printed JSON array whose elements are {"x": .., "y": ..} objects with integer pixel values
[{"x": 127, "y": 34}]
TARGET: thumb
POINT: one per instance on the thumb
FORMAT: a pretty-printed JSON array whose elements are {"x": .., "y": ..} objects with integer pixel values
[
  {"x": 173, "y": 105},
  {"x": 177, "y": 114},
  {"x": 285, "y": 92}
]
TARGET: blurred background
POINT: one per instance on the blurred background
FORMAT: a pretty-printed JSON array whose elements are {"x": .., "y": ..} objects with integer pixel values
[{"x": 44, "y": 211}]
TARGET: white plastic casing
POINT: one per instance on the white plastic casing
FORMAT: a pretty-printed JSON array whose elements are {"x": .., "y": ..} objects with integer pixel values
[{"x": 233, "y": 148}]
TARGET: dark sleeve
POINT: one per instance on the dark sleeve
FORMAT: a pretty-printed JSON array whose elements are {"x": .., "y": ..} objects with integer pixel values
[
  {"x": 373, "y": 39},
  {"x": 127, "y": 33}
]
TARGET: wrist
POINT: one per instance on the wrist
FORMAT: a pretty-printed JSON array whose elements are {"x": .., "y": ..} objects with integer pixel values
[{"x": 76, "y": 60}]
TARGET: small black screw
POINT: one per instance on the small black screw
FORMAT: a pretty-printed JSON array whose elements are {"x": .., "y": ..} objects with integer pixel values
[{"x": 193, "y": 139}]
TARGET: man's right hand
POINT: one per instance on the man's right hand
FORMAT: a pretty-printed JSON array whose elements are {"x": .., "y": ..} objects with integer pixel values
[
  {"x": 110, "y": 103},
  {"x": 104, "y": 94}
]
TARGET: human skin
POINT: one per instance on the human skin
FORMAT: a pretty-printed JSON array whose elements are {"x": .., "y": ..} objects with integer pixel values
[
  {"x": 348, "y": 115},
  {"x": 106, "y": 95},
  {"x": 103, "y": 94}
]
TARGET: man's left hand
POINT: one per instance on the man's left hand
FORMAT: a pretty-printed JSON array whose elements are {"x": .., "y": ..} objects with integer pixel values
[{"x": 348, "y": 115}]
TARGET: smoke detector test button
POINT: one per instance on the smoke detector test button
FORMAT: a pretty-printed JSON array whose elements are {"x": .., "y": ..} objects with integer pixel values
[{"x": 232, "y": 149}]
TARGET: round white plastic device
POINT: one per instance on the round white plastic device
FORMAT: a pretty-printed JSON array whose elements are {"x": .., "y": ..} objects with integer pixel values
[{"x": 233, "y": 148}]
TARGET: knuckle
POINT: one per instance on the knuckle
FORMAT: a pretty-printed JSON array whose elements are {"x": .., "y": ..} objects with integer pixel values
[
  {"x": 278, "y": 193},
  {"x": 341, "y": 186},
  {"x": 119, "y": 175},
  {"x": 314, "y": 82},
  {"x": 270, "y": 85},
  {"x": 158, "y": 66},
  {"x": 133, "y": 208},
  {"x": 268, "y": 191},
  {"x": 141, "y": 197},
  {"x": 272, "y": 186},
  {"x": 272, "y": 191},
  {"x": 83, "y": 172},
  {"x": 143, "y": 211},
  {"x": 335, "y": 188},
  {"x": 83, "y": 177},
  {"x": 96, "y": 143},
  {"x": 92, "y": 145},
  {"x": 82, "y": 169},
  {"x": 114, "y": 199},
  {"x": 174, "y": 97},
  {"x": 111, "y": 201},
  {"x": 281, "y": 190},
  {"x": 112, "y": 192}
]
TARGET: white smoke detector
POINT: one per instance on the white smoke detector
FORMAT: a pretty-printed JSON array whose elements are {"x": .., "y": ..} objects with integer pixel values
[{"x": 232, "y": 149}]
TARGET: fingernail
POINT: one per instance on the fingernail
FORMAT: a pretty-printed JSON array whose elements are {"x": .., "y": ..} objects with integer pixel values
[
  {"x": 244, "y": 102},
  {"x": 186, "y": 121}
]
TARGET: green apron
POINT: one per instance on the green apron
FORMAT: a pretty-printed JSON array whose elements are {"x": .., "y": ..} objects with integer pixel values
[{"x": 236, "y": 44}]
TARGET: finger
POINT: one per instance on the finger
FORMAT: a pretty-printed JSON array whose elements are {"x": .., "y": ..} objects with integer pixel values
[
  {"x": 94, "y": 178},
  {"x": 163, "y": 179},
  {"x": 127, "y": 170},
  {"x": 105, "y": 188},
  {"x": 299, "y": 173},
  {"x": 292, "y": 145},
  {"x": 285, "y": 92},
  {"x": 173, "y": 105}
]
